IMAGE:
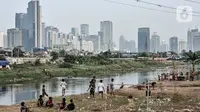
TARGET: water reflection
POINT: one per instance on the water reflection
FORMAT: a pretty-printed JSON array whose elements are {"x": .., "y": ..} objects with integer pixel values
[{"x": 12, "y": 94}]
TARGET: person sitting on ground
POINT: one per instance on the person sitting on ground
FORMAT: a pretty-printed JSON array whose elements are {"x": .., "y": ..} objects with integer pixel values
[
  {"x": 49, "y": 103},
  {"x": 44, "y": 91},
  {"x": 62, "y": 105},
  {"x": 40, "y": 101},
  {"x": 23, "y": 107},
  {"x": 92, "y": 89},
  {"x": 70, "y": 106},
  {"x": 122, "y": 86},
  {"x": 153, "y": 84}
]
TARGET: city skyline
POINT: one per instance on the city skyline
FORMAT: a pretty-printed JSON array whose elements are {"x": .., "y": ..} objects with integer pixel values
[{"x": 123, "y": 23}]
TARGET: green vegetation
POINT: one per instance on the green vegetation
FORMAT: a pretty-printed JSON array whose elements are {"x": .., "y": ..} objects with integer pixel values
[
  {"x": 193, "y": 58},
  {"x": 71, "y": 65}
]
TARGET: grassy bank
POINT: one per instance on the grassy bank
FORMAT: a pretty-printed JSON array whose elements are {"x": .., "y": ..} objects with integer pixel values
[{"x": 28, "y": 71}]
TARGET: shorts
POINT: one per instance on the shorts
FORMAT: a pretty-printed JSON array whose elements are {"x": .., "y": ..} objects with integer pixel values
[
  {"x": 91, "y": 92},
  {"x": 100, "y": 92}
]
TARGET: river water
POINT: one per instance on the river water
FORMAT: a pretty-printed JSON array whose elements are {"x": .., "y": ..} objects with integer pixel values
[{"x": 16, "y": 93}]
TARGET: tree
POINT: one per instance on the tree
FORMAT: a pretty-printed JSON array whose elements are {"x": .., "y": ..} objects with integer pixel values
[
  {"x": 193, "y": 58},
  {"x": 2, "y": 57},
  {"x": 54, "y": 56},
  {"x": 17, "y": 52},
  {"x": 70, "y": 59},
  {"x": 62, "y": 53}
]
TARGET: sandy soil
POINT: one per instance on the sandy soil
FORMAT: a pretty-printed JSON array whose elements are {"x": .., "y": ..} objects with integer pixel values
[{"x": 167, "y": 97}]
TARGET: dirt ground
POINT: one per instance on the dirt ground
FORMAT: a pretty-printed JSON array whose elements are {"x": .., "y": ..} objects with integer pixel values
[{"x": 166, "y": 97}]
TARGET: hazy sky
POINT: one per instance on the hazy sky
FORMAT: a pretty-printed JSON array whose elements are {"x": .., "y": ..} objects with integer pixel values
[{"x": 65, "y": 14}]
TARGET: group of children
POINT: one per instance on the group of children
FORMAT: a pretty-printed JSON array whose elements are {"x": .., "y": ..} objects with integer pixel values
[
  {"x": 101, "y": 87},
  {"x": 49, "y": 103}
]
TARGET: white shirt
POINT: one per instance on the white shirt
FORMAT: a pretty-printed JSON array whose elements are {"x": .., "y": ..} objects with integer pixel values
[
  {"x": 100, "y": 87},
  {"x": 63, "y": 85}
]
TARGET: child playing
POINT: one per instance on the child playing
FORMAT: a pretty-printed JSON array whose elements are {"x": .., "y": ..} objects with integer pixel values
[
  {"x": 92, "y": 89},
  {"x": 63, "y": 85},
  {"x": 112, "y": 87},
  {"x": 70, "y": 106},
  {"x": 49, "y": 103},
  {"x": 62, "y": 105},
  {"x": 40, "y": 101},
  {"x": 44, "y": 91},
  {"x": 23, "y": 107},
  {"x": 101, "y": 89}
]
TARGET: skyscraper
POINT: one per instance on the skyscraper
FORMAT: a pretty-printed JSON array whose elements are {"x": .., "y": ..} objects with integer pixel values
[
  {"x": 20, "y": 20},
  {"x": 164, "y": 46},
  {"x": 196, "y": 43},
  {"x": 106, "y": 28},
  {"x": 1, "y": 39},
  {"x": 43, "y": 35},
  {"x": 34, "y": 24},
  {"x": 182, "y": 45},
  {"x": 132, "y": 46},
  {"x": 190, "y": 36},
  {"x": 51, "y": 36},
  {"x": 74, "y": 31},
  {"x": 85, "y": 29},
  {"x": 14, "y": 37},
  {"x": 143, "y": 40},
  {"x": 95, "y": 40},
  {"x": 5, "y": 42},
  {"x": 121, "y": 43},
  {"x": 173, "y": 44},
  {"x": 155, "y": 43}
]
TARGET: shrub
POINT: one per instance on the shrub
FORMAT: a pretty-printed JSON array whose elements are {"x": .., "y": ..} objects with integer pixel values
[
  {"x": 66, "y": 65},
  {"x": 37, "y": 62}
]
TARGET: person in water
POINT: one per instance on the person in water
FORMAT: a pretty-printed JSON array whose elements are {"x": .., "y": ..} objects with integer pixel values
[
  {"x": 112, "y": 87},
  {"x": 63, "y": 86}
]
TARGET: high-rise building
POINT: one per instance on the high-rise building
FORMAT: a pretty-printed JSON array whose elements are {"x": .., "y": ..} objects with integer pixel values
[
  {"x": 173, "y": 44},
  {"x": 1, "y": 39},
  {"x": 155, "y": 43},
  {"x": 143, "y": 40},
  {"x": 43, "y": 35},
  {"x": 20, "y": 20},
  {"x": 14, "y": 37},
  {"x": 132, "y": 46},
  {"x": 122, "y": 43},
  {"x": 190, "y": 36},
  {"x": 106, "y": 40},
  {"x": 196, "y": 43},
  {"x": 125, "y": 45},
  {"x": 95, "y": 40},
  {"x": 74, "y": 31},
  {"x": 5, "y": 42},
  {"x": 34, "y": 24},
  {"x": 164, "y": 46},
  {"x": 61, "y": 38},
  {"x": 182, "y": 46},
  {"x": 51, "y": 36},
  {"x": 85, "y": 29}
]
